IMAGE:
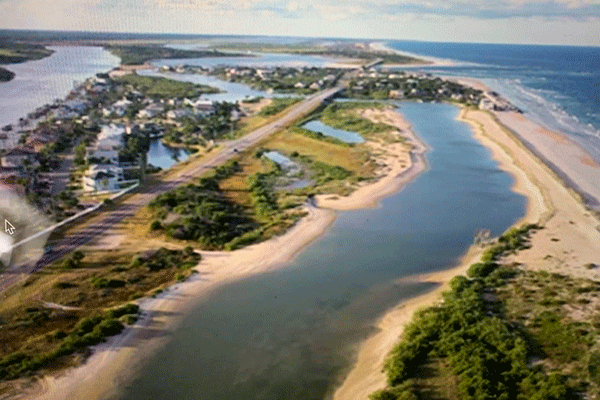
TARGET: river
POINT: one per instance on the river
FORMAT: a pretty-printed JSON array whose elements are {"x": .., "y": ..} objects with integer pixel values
[
  {"x": 292, "y": 333},
  {"x": 41, "y": 82}
]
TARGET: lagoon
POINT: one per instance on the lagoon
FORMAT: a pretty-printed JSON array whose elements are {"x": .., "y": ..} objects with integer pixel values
[
  {"x": 344, "y": 136},
  {"x": 292, "y": 333},
  {"x": 261, "y": 60},
  {"x": 163, "y": 156}
]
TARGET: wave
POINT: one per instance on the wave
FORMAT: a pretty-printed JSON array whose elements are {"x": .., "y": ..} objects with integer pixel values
[{"x": 541, "y": 107}]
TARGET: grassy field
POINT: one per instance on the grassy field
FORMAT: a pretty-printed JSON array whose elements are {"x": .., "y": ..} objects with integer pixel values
[{"x": 41, "y": 320}]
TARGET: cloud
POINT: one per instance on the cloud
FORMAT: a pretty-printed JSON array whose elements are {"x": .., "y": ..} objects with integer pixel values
[
  {"x": 542, "y": 21},
  {"x": 333, "y": 9}
]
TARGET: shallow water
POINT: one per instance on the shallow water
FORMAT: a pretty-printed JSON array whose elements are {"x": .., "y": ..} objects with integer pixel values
[
  {"x": 291, "y": 333},
  {"x": 344, "y": 136},
  {"x": 280, "y": 159},
  {"x": 161, "y": 155}
]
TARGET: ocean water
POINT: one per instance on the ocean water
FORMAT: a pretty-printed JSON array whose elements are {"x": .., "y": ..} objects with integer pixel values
[{"x": 557, "y": 86}]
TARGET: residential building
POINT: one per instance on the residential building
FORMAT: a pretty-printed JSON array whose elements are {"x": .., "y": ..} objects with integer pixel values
[
  {"x": 17, "y": 157},
  {"x": 108, "y": 145}
]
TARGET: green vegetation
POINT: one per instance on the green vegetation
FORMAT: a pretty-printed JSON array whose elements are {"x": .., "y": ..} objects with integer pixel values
[
  {"x": 203, "y": 213},
  {"x": 278, "y": 104},
  {"x": 305, "y": 80},
  {"x": 560, "y": 315},
  {"x": 87, "y": 332},
  {"x": 345, "y": 116},
  {"x": 234, "y": 207},
  {"x": 164, "y": 88},
  {"x": 193, "y": 131},
  {"x": 485, "y": 350},
  {"x": 11, "y": 52},
  {"x": 87, "y": 303},
  {"x": 401, "y": 85},
  {"x": 134, "y": 55},
  {"x": 6, "y": 75},
  {"x": 261, "y": 189}
]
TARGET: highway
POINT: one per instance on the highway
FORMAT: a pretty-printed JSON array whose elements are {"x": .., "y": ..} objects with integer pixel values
[{"x": 139, "y": 200}]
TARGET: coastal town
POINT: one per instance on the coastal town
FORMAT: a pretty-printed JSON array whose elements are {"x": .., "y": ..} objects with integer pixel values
[{"x": 92, "y": 141}]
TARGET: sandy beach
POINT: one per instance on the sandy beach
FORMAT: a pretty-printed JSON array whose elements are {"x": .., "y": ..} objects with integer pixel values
[{"x": 569, "y": 240}]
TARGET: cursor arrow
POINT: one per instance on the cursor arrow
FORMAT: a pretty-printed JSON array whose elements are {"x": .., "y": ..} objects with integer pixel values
[{"x": 8, "y": 228}]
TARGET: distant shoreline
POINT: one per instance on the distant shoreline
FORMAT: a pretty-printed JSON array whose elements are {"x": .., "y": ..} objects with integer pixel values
[{"x": 429, "y": 61}]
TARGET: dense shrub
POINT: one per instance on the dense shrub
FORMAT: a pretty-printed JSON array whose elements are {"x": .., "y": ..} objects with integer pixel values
[
  {"x": 205, "y": 215},
  {"x": 87, "y": 332},
  {"x": 487, "y": 353}
]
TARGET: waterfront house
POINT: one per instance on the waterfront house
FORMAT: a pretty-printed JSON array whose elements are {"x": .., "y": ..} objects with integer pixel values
[
  {"x": 202, "y": 107},
  {"x": 179, "y": 113}
]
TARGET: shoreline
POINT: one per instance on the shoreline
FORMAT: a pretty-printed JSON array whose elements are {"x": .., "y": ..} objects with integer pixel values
[
  {"x": 401, "y": 171},
  {"x": 565, "y": 157},
  {"x": 549, "y": 202},
  {"x": 104, "y": 370},
  {"x": 429, "y": 61}
]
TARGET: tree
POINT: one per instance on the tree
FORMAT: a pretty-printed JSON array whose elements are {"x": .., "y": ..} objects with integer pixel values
[{"x": 79, "y": 154}]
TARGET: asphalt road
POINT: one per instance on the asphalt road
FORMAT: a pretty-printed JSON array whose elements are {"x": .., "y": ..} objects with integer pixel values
[{"x": 128, "y": 208}]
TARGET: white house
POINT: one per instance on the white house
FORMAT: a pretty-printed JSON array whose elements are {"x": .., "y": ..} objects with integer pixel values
[
  {"x": 100, "y": 178},
  {"x": 120, "y": 107},
  {"x": 201, "y": 106},
  {"x": 110, "y": 141}
]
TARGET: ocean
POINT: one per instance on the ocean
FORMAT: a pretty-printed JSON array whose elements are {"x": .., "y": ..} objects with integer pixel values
[{"x": 556, "y": 86}]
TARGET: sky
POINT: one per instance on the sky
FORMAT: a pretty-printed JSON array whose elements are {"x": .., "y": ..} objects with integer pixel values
[{"x": 570, "y": 22}]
